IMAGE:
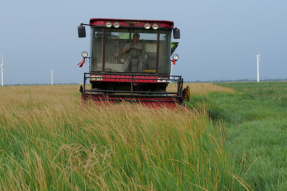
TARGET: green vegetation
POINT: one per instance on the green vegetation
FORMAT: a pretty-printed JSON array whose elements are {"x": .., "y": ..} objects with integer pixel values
[
  {"x": 47, "y": 142},
  {"x": 256, "y": 129}
]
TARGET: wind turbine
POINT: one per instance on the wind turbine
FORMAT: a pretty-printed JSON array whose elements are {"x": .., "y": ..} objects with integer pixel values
[
  {"x": 52, "y": 71},
  {"x": 258, "y": 61},
  {"x": 2, "y": 65}
]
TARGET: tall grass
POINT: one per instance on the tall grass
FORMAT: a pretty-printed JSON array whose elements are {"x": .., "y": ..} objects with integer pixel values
[
  {"x": 266, "y": 92},
  {"x": 255, "y": 121},
  {"x": 47, "y": 142}
]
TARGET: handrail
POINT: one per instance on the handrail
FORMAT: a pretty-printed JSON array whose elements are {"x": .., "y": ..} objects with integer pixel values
[{"x": 133, "y": 78}]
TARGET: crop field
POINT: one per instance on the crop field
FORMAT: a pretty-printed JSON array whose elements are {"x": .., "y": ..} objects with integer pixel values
[
  {"x": 255, "y": 121},
  {"x": 232, "y": 138}
]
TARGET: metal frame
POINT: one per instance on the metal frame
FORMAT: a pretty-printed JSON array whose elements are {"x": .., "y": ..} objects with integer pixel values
[
  {"x": 157, "y": 52},
  {"x": 104, "y": 50},
  {"x": 131, "y": 95}
]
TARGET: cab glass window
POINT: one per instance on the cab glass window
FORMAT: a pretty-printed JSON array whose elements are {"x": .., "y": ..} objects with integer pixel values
[
  {"x": 164, "y": 52},
  {"x": 130, "y": 52},
  {"x": 96, "y": 49}
]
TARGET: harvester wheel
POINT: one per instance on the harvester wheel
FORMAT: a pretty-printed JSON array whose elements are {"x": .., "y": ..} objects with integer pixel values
[{"x": 187, "y": 93}]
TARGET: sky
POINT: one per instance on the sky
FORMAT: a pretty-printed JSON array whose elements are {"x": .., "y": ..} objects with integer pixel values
[{"x": 219, "y": 38}]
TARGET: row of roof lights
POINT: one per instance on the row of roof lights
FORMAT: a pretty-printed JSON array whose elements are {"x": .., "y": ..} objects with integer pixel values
[
  {"x": 109, "y": 25},
  {"x": 117, "y": 25},
  {"x": 154, "y": 26}
]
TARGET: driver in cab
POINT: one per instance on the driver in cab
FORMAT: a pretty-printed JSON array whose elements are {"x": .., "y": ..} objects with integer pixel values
[{"x": 135, "y": 52}]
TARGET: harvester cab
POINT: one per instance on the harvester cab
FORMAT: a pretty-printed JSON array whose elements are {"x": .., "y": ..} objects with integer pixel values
[{"x": 130, "y": 61}]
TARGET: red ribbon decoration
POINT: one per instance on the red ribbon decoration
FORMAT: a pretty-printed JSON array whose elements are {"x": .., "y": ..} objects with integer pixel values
[
  {"x": 82, "y": 63},
  {"x": 173, "y": 62}
]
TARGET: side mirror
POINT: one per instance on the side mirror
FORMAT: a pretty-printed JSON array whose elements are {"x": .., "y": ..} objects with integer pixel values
[
  {"x": 81, "y": 31},
  {"x": 176, "y": 33}
]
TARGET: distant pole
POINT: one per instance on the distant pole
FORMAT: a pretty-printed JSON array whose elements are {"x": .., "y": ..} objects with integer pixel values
[
  {"x": 52, "y": 76},
  {"x": 2, "y": 74},
  {"x": 258, "y": 60},
  {"x": 2, "y": 65},
  {"x": 258, "y": 69}
]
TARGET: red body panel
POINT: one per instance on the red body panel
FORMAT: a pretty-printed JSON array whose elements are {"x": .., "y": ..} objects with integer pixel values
[
  {"x": 153, "y": 103},
  {"x": 124, "y": 78},
  {"x": 126, "y": 22}
]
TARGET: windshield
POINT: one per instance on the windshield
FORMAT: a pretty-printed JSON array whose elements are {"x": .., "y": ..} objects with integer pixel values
[{"x": 119, "y": 50}]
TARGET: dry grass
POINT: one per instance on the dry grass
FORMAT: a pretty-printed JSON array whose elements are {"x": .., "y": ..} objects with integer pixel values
[
  {"x": 201, "y": 88},
  {"x": 48, "y": 143}
]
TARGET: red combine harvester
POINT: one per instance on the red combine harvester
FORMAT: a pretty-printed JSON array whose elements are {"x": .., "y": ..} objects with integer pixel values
[{"x": 130, "y": 61}]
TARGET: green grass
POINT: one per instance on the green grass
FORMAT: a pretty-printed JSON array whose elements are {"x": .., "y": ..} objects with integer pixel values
[
  {"x": 47, "y": 142},
  {"x": 270, "y": 93},
  {"x": 255, "y": 117}
]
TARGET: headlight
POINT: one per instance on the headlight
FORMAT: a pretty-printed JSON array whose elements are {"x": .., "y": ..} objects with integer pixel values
[
  {"x": 175, "y": 57},
  {"x": 147, "y": 26},
  {"x": 155, "y": 26},
  {"x": 84, "y": 54},
  {"x": 116, "y": 25},
  {"x": 108, "y": 24}
]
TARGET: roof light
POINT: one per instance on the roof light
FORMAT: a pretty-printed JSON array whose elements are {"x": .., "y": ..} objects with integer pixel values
[
  {"x": 155, "y": 26},
  {"x": 116, "y": 24},
  {"x": 175, "y": 57},
  {"x": 108, "y": 24},
  {"x": 147, "y": 26},
  {"x": 84, "y": 54}
]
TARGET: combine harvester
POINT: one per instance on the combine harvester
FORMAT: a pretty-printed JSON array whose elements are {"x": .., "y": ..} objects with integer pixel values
[{"x": 130, "y": 61}]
